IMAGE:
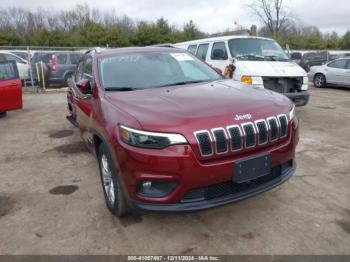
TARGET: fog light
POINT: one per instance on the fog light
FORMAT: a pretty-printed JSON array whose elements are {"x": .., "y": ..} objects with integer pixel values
[{"x": 156, "y": 188}]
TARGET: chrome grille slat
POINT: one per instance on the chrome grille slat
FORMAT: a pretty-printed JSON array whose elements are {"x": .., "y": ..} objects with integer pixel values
[
  {"x": 246, "y": 135},
  {"x": 263, "y": 132},
  {"x": 249, "y": 134},
  {"x": 236, "y": 137},
  {"x": 220, "y": 139},
  {"x": 273, "y": 128},
  {"x": 283, "y": 123},
  {"x": 205, "y": 143}
]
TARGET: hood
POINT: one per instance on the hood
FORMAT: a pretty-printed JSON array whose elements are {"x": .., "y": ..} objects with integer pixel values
[
  {"x": 270, "y": 68},
  {"x": 185, "y": 109}
]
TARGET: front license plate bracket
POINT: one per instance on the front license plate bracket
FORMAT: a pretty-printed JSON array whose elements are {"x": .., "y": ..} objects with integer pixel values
[{"x": 251, "y": 168}]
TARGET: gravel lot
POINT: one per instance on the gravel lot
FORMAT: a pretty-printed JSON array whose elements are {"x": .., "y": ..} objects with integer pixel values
[{"x": 41, "y": 151}]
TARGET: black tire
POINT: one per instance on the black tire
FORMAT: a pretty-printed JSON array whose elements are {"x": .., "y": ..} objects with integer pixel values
[
  {"x": 119, "y": 206},
  {"x": 320, "y": 80},
  {"x": 2, "y": 114}
]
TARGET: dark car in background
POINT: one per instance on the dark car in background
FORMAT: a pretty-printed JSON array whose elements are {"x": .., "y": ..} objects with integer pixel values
[
  {"x": 296, "y": 57},
  {"x": 59, "y": 65},
  {"x": 310, "y": 59}
]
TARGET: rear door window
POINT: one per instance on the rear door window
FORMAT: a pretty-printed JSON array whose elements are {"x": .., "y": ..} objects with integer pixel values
[
  {"x": 12, "y": 58},
  {"x": 219, "y": 51},
  {"x": 348, "y": 64},
  {"x": 202, "y": 51},
  {"x": 340, "y": 64},
  {"x": 61, "y": 59},
  {"x": 8, "y": 70},
  {"x": 192, "y": 49}
]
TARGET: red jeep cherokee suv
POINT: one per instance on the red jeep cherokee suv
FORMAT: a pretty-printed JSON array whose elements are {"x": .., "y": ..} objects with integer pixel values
[{"x": 170, "y": 134}]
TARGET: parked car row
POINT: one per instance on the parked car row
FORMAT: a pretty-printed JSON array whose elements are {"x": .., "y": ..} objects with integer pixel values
[
  {"x": 336, "y": 72},
  {"x": 59, "y": 65},
  {"x": 309, "y": 59}
]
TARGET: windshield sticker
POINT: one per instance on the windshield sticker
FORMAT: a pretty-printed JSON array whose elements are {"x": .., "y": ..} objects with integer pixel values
[{"x": 182, "y": 57}]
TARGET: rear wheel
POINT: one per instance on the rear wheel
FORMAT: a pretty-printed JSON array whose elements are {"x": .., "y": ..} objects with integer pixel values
[
  {"x": 320, "y": 80},
  {"x": 113, "y": 192}
]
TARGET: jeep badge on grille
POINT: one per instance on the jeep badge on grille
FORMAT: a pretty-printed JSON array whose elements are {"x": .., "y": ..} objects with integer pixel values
[{"x": 243, "y": 117}]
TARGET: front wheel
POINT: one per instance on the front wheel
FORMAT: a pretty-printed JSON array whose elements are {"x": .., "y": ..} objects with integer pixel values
[
  {"x": 113, "y": 192},
  {"x": 320, "y": 80}
]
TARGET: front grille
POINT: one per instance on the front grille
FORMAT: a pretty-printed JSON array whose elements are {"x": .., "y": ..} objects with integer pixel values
[
  {"x": 229, "y": 187},
  {"x": 249, "y": 133},
  {"x": 246, "y": 135},
  {"x": 262, "y": 130},
  {"x": 220, "y": 141},
  {"x": 204, "y": 141},
  {"x": 283, "y": 85},
  {"x": 236, "y": 137},
  {"x": 283, "y": 125},
  {"x": 273, "y": 128}
]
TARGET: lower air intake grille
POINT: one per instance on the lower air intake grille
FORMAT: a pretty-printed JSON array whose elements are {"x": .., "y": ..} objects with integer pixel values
[
  {"x": 229, "y": 187},
  {"x": 273, "y": 129},
  {"x": 204, "y": 143},
  {"x": 249, "y": 135},
  {"x": 284, "y": 125},
  {"x": 221, "y": 141}
]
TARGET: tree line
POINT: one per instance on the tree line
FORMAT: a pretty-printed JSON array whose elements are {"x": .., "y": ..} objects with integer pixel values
[{"x": 85, "y": 26}]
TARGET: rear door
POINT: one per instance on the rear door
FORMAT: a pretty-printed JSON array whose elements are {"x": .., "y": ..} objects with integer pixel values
[
  {"x": 10, "y": 87},
  {"x": 336, "y": 72}
]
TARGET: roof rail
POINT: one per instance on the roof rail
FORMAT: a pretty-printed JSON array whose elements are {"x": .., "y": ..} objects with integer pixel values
[
  {"x": 170, "y": 45},
  {"x": 98, "y": 50}
]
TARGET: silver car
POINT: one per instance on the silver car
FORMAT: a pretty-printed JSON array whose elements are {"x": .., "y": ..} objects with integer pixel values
[{"x": 336, "y": 72}]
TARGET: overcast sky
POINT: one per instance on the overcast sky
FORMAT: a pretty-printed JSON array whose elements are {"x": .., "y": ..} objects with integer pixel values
[{"x": 210, "y": 15}]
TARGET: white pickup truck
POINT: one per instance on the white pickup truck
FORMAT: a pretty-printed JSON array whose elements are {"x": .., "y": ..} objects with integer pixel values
[{"x": 259, "y": 61}]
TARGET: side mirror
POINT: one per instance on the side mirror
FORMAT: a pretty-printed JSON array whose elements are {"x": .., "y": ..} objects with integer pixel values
[{"x": 84, "y": 86}]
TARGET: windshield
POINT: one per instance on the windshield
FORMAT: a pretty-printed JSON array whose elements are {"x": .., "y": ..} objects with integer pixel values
[
  {"x": 152, "y": 69},
  {"x": 256, "y": 49}
]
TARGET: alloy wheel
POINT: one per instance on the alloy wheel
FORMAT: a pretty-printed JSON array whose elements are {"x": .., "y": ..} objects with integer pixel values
[{"x": 107, "y": 179}]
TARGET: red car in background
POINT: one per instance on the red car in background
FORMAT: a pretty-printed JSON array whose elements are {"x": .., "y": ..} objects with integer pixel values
[{"x": 10, "y": 87}]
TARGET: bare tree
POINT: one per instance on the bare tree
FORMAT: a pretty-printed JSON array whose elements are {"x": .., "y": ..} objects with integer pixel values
[{"x": 271, "y": 12}]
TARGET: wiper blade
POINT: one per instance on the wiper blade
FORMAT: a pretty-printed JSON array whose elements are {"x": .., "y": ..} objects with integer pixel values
[
  {"x": 120, "y": 89},
  {"x": 184, "y": 83},
  {"x": 248, "y": 56},
  {"x": 276, "y": 58}
]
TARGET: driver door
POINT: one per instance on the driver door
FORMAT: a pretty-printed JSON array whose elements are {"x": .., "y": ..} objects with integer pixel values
[
  {"x": 84, "y": 98},
  {"x": 10, "y": 87}
]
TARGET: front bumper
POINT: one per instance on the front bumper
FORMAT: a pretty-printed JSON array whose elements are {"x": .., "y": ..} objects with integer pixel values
[
  {"x": 179, "y": 163},
  {"x": 299, "y": 98},
  {"x": 206, "y": 204}
]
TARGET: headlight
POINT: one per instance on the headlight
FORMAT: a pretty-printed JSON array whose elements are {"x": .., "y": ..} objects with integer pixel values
[
  {"x": 252, "y": 80},
  {"x": 145, "y": 139},
  {"x": 305, "y": 85},
  {"x": 292, "y": 113}
]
